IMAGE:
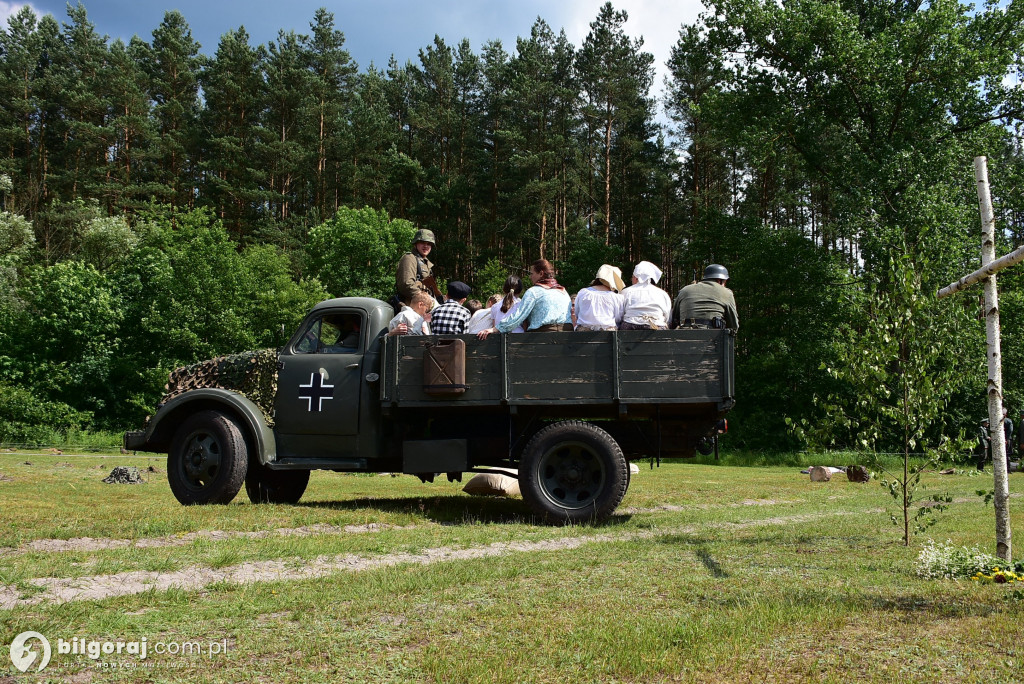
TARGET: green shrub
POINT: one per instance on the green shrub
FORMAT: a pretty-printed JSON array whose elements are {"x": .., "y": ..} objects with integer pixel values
[
  {"x": 354, "y": 253},
  {"x": 26, "y": 419}
]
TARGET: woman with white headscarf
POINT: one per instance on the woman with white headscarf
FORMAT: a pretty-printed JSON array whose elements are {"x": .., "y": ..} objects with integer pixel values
[
  {"x": 647, "y": 306},
  {"x": 600, "y": 306}
]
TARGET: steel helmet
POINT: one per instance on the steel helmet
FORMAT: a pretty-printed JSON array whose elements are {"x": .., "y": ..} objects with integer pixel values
[
  {"x": 716, "y": 272},
  {"x": 424, "y": 235}
]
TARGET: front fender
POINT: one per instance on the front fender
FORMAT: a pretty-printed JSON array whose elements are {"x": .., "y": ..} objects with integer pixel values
[{"x": 161, "y": 428}]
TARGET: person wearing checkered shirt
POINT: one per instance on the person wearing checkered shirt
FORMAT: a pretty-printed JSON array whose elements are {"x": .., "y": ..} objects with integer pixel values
[{"x": 451, "y": 318}]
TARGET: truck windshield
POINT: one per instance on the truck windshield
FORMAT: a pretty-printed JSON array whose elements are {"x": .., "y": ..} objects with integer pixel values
[{"x": 336, "y": 333}]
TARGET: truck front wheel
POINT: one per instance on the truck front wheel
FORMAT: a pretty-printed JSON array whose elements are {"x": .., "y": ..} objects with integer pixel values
[
  {"x": 207, "y": 460},
  {"x": 264, "y": 485},
  {"x": 573, "y": 472}
]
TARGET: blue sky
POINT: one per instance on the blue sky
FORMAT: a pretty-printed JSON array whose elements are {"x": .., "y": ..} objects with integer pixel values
[{"x": 376, "y": 30}]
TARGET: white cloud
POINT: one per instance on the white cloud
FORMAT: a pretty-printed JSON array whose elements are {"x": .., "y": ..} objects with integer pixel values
[{"x": 9, "y": 9}]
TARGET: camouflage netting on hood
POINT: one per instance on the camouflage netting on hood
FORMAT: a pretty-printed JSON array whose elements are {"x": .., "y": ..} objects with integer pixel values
[{"x": 252, "y": 374}]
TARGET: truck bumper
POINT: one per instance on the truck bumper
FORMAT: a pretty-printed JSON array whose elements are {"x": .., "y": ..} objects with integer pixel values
[{"x": 135, "y": 441}]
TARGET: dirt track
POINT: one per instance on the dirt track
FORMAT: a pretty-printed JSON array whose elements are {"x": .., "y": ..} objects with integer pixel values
[
  {"x": 97, "y": 587},
  {"x": 92, "y": 544}
]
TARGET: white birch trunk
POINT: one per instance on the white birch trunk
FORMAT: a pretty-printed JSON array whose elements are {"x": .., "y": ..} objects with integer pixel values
[
  {"x": 995, "y": 369},
  {"x": 1011, "y": 259}
]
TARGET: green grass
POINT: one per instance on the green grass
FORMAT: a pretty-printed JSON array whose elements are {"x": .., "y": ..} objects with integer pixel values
[{"x": 712, "y": 573}]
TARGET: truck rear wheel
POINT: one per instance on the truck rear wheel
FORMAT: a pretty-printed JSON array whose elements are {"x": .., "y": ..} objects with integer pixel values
[
  {"x": 572, "y": 472},
  {"x": 264, "y": 485},
  {"x": 207, "y": 460}
]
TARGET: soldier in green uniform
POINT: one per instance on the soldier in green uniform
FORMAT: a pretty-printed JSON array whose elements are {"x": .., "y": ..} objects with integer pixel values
[
  {"x": 414, "y": 267},
  {"x": 983, "y": 450},
  {"x": 707, "y": 304},
  {"x": 1020, "y": 437}
]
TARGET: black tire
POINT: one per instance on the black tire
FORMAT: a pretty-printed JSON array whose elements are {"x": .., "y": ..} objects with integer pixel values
[
  {"x": 573, "y": 472},
  {"x": 208, "y": 459},
  {"x": 264, "y": 485}
]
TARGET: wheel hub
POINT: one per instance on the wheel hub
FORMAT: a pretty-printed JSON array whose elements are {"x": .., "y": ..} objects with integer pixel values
[
  {"x": 203, "y": 459},
  {"x": 571, "y": 475}
]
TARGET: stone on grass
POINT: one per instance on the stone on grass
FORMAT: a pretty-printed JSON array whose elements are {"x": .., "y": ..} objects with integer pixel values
[
  {"x": 820, "y": 474},
  {"x": 634, "y": 469},
  {"x": 858, "y": 473},
  {"x": 124, "y": 475}
]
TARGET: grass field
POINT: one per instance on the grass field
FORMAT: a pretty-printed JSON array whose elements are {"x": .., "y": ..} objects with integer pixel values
[{"x": 708, "y": 573}]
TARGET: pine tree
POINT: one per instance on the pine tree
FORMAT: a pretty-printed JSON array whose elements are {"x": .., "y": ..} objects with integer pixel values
[
  {"x": 287, "y": 82},
  {"x": 235, "y": 98},
  {"x": 174, "y": 68},
  {"x": 698, "y": 76},
  {"x": 374, "y": 137},
  {"x": 85, "y": 100},
  {"x": 530, "y": 132},
  {"x": 433, "y": 116},
  {"x": 132, "y": 126},
  {"x": 404, "y": 173},
  {"x": 21, "y": 47},
  {"x": 49, "y": 134},
  {"x": 494, "y": 183},
  {"x": 616, "y": 77},
  {"x": 332, "y": 73}
]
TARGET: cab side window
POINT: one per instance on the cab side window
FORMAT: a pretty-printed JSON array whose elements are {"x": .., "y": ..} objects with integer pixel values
[{"x": 337, "y": 333}]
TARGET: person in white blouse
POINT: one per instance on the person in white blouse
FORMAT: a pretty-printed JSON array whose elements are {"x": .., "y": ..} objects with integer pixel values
[
  {"x": 600, "y": 306},
  {"x": 483, "y": 318},
  {"x": 510, "y": 302},
  {"x": 647, "y": 306}
]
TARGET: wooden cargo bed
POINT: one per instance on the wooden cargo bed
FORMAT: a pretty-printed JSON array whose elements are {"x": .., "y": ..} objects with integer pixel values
[{"x": 635, "y": 367}]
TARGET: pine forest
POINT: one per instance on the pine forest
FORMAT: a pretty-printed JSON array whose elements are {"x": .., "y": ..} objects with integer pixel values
[{"x": 165, "y": 202}]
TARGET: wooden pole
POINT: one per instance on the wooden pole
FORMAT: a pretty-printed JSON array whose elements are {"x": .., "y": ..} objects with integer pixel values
[{"x": 995, "y": 370}]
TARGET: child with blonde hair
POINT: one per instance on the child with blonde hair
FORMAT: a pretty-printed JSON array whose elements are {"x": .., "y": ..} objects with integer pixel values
[{"x": 412, "y": 319}]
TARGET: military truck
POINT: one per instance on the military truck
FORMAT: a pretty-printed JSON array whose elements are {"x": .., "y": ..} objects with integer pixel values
[{"x": 564, "y": 412}]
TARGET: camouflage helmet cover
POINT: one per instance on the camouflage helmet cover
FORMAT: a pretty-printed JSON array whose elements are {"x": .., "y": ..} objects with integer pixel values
[
  {"x": 424, "y": 235},
  {"x": 716, "y": 272}
]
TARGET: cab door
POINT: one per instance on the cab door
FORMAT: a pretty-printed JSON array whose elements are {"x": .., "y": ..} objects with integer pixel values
[{"x": 320, "y": 375}]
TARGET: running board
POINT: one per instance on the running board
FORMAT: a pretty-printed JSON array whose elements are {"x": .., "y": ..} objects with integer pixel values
[{"x": 318, "y": 464}]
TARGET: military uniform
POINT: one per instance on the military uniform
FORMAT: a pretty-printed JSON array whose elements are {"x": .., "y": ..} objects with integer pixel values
[
  {"x": 1020, "y": 436},
  {"x": 704, "y": 301},
  {"x": 983, "y": 450},
  {"x": 412, "y": 269}
]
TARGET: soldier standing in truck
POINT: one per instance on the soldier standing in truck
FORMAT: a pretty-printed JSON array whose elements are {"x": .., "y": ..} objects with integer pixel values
[
  {"x": 415, "y": 272},
  {"x": 707, "y": 304}
]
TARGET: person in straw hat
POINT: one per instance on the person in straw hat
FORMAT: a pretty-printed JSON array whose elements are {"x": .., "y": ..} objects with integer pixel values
[{"x": 600, "y": 306}]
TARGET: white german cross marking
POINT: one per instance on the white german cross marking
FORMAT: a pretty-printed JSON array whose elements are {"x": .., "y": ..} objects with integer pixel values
[{"x": 316, "y": 390}]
